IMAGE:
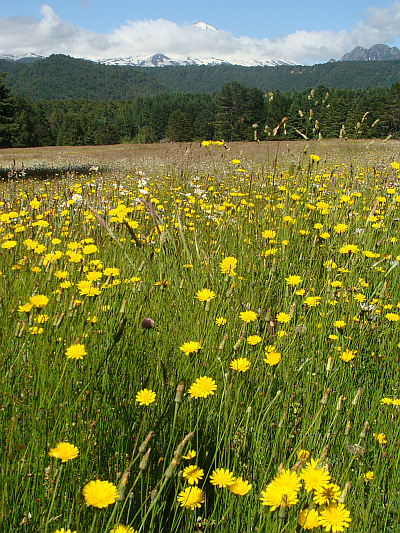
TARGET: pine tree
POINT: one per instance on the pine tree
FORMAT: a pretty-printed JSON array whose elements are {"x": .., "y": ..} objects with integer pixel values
[
  {"x": 178, "y": 128},
  {"x": 8, "y": 126}
]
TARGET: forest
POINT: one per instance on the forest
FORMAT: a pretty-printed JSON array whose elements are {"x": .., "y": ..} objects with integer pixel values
[
  {"x": 61, "y": 77},
  {"x": 234, "y": 113}
]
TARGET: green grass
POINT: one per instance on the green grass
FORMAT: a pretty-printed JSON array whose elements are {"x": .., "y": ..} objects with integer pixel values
[{"x": 257, "y": 421}]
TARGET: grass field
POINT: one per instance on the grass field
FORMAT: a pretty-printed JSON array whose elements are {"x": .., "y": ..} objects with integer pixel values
[{"x": 200, "y": 338}]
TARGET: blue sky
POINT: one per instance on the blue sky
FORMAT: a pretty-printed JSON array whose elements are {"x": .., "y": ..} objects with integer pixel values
[{"x": 302, "y": 32}]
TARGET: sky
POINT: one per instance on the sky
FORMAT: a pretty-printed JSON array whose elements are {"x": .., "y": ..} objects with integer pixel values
[{"x": 301, "y": 32}]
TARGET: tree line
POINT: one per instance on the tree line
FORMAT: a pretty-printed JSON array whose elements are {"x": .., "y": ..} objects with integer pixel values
[{"x": 235, "y": 113}]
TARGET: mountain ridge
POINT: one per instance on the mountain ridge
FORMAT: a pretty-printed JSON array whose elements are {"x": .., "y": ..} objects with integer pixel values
[
  {"x": 159, "y": 60},
  {"x": 377, "y": 52}
]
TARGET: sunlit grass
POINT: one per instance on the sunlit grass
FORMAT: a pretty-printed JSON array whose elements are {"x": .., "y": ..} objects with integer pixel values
[{"x": 198, "y": 337}]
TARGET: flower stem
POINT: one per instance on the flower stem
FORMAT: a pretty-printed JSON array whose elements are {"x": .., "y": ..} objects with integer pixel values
[
  {"x": 58, "y": 385},
  {"x": 54, "y": 497}
]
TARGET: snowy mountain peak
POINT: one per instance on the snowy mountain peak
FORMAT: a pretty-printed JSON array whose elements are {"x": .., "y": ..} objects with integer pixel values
[{"x": 204, "y": 26}]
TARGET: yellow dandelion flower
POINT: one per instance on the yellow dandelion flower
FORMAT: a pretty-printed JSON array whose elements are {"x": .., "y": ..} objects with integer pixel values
[
  {"x": 240, "y": 487},
  {"x": 202, "y": 387},
  {"x": 359, "y": 297},
  {"x": 93, "y": 276},
  {"x": 120, "y": 528},
  {"x": 145, "y": 397},
  {"x": 312, "y": 301},
  {"x": 8, "y": 245},
  {"x": 348, "y": 355},
  {"x": 334, "y": 517},
  {"x": 339, "y": 324},
  {"x": 308, "y": 519},
  {"x": 39, "y": 300},
  {"x": 269, "y": 234},
  {"x": 222, "y": 478},
  {"x": 380, "y": 437},
  {"x": 25, "y": 308},
  {"x": 293, "y": 280},
  {"x": 205, "y": 295},
  {"x": 99, "y": 494},
  {"x": 240, "y": 365},
  {"x": 272, "y": 357},
  {"x": 283, "y": 318},
  {"x": 274, "y": 495},
  {"x": 314, "y": 478},
  {"x": 191, "y": 497},
  {"x": 228, "y": 266},
  {"x": 191, "y": 454},
  {"x": 303, "y": 455},
  {"x": 253, "y": 340},
  {"x": 248, "y": 316},
  {"x": 386, "y": 401},
  {"x": 190, "y": 347},
  {"x": 340, "y": 228},
  {"x": 89, "y": 249},
  {"x": 111, "y": 271},
  {"x": 327, "y": 495},
  {"x": 193, "y": 474},
  {"x": 64, "y": 451},
  {"x": 90, "y": 291},
  {"x": 76, "y": 351}
]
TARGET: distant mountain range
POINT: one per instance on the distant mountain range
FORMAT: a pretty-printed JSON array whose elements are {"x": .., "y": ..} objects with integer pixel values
[
  {"x": 24, "y": 58},
  {"x": 161, "y": 60},
  {"x": 378, "y": 52}
]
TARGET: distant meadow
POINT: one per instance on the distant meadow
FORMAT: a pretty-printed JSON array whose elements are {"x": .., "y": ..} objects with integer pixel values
[{"x": 200, "y": 338}]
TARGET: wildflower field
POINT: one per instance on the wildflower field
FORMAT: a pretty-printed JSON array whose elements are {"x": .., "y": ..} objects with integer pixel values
[{"x": 207, "y": 345}]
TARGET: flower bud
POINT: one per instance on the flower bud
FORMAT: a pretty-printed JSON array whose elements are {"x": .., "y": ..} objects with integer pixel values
[
  {"x": 145, "y": 461},
  {"x": 325, "y": 397},
  {"x": 147, "y": 323},
  {"x": 145, "y": 443},
  {"x": 363, "y": 433},
  {"x": 179, "y": 392}
]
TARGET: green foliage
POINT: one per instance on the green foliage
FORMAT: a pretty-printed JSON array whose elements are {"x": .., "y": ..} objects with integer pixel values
[
  {"x": 66, "y": 78},
  {"x": 7, "y": 115},
  {"x": 178, "y": 127},
  {"x": 145, "y": 135},
  {"x": 341, "y": 75}
]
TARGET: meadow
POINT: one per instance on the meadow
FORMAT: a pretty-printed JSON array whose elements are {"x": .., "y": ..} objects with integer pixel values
[{"x": 200, "y": 338}]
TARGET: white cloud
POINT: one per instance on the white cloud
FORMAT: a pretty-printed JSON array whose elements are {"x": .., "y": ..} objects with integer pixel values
[{"x": 50, "y": 34}]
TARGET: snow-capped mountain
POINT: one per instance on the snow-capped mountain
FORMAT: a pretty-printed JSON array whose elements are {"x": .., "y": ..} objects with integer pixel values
[
  {"x": 23, "y": 57},
  {"x": 204, "y": 26},
  {"x": 161, "y": 60}
]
